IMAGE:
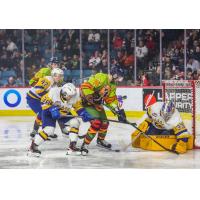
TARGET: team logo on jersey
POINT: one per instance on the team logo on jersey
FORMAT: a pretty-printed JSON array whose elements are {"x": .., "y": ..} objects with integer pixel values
[{"x": 16, "y": 93}]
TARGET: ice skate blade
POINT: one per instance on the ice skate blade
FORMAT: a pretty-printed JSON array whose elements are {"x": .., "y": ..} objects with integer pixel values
[
  {"x": 73, "y": 153},
  {"x": 31, "y": 154},
  {"x": 83, "y": 153},
  {"x": 109, "y": 149}
]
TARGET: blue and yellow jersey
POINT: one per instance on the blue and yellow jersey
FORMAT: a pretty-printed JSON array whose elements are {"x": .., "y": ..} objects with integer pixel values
[
  {"x": 41, "y": 87},
  {"x": 45, "y": 71},
  {"x": 53, "y": 98},
  {"x": 175, "y": 123}
]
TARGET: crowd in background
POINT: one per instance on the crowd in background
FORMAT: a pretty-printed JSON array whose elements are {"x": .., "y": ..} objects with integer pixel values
[{"x": 126, "y": 51}]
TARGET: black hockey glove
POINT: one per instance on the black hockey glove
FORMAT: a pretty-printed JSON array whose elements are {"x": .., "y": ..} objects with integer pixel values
[{"x": 121, "y": 115}]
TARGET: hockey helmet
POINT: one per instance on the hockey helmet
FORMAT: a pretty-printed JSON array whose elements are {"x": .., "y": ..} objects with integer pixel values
[
  {"x": 117, "y": 73},
  {"x": 53, "y": 60},
  {"x": 57, "y": 74},
  {"x": 68, "y": 91},
  {"x": 167, "y": 110}
]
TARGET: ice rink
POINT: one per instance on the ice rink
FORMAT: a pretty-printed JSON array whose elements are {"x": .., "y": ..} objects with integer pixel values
[{"x": 15, "y": 141}]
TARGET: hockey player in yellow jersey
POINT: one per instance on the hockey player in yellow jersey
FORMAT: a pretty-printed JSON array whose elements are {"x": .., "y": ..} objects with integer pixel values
[
  {"x": 57, "y": 105},
  {"x": 163, "y": 119},
  {"x": 38, "y": 90}
]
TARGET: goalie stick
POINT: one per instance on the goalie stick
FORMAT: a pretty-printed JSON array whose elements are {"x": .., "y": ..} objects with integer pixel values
[{"x": 146, "y": 106}]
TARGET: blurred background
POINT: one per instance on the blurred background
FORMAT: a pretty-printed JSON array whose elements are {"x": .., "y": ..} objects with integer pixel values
[{"x": 147, "y": 56}]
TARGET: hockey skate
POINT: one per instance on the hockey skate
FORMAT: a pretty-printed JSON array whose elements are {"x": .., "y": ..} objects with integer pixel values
[
  {"x": 33, "y": 150},
  {"x": 73, "y": 150},
  {"x": 52, "y": 137},
  {"x": 103, "y": 144},
  {"x": 84, "y": 149}
]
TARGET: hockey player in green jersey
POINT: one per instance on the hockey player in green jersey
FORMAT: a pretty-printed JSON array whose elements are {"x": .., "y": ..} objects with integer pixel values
[
  {"x": 100, "y": 89},
  {"x": 45, "y": 71}
]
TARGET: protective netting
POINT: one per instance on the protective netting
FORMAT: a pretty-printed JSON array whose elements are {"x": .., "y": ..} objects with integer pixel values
[{"x": 186, "y": 96}]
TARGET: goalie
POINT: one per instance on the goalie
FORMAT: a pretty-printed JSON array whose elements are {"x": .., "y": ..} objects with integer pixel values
[{"x": 164, "y": 124}]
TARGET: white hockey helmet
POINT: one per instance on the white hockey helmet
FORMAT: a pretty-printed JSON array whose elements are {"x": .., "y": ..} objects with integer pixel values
[
  {"x": 68, "y": 91},
  {"x": 167, "y": 110},
  {"x": 57, "y": 74}
]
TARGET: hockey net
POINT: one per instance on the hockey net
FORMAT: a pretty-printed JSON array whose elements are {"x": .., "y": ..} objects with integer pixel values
[{"x": 186, "y": 96}]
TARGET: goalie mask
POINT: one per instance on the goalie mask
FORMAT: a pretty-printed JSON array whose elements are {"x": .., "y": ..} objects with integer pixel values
[
  {"x": 167, "y": 110},
  {"x": 68, "y": 91}
]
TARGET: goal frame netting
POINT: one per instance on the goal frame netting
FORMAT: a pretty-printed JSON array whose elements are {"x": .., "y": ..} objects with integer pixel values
[{"x": 189, "y": 85}]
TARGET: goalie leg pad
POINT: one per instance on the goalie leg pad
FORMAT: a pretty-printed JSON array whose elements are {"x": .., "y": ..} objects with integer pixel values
[{"x": 143, "y": 127}]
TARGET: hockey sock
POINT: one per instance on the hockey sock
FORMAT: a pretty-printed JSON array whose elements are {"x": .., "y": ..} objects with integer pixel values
[
  {"x": 102, "y": 134},
  {"x": 90, "y": 135},
  {"x": 103, "y": 131},
  {"x": 73, "y": 134},
  {"x": 37, "y": 124},
  {"x": 40, "y": 138}
]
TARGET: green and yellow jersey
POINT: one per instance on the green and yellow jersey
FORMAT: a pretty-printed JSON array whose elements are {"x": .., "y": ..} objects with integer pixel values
[
  {"x": 100, "y": 85},
  {"x": 45, "y": 71}
]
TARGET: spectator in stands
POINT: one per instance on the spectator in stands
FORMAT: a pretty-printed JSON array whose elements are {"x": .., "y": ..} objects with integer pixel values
[
  {"x": 11, "y": 82},
  {"x": 117, "y": 41},
  {"x": 36, "y": 56},
  {"x": 76, "y": 47},
  {"x": 29, "y": 59},
  {"x": 145, "y": 80},
  {"x": 31, "y": 71},
  {"x": 128, "y": 42},
  {"x": 195, "y": 75},
  {"x": 141, "y": 53},
  {"x": 103, "y": 66},
  {"x": 189, "y": 74},
  {"x": 94, "y": 60},
  {"x": 67, "y": 50},
  {"x": 156, "y": 77},
  {"x": 75, "y": 62},
  {"x": 193, "y": 64},
  {"x": 11, "y": 46},
  {"x": 197, "y": 54},
  {"x": 93, "y": 36},
  {"x": 178, "y": 74}
]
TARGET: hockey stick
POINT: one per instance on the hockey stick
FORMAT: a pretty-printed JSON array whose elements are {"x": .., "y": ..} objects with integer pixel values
[
  {"x": 109, "y": 120},
  {"x": 169, "y": 150},
  {"x": 146, "y": 106},
  {"x": 132, "y": 141}
]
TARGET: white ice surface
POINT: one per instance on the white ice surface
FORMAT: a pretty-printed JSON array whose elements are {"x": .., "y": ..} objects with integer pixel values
[{"x": 15, "y": 141}]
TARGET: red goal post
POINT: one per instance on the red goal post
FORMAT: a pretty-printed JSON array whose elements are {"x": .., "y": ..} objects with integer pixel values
[{"x": 186, "y": 96}]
